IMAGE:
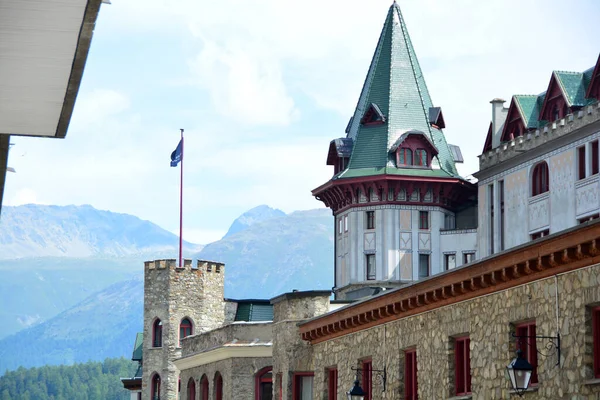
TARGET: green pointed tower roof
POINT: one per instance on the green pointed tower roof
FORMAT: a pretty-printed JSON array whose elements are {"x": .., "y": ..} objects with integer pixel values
[{"x": 396, "y": 87}]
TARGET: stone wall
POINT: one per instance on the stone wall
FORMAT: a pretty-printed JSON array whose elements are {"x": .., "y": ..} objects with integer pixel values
[
  {"x": 487, "y": 320},
  {"x": 171, "y": 294},
  {"x": 290, "y": 352},
  {"x": 239, "y": 331}
]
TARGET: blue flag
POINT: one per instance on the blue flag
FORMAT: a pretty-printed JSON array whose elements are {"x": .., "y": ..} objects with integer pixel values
[{"x": 177, "y": 154}]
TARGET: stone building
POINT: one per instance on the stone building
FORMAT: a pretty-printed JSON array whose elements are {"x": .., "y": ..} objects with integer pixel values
[{"x": 433, "y": 296}]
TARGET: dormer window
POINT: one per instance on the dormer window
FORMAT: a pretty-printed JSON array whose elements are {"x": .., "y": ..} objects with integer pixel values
[
  {"x": 421, "y": 158},
  {"x": 405, "y": 157},
  {"x": 373, "y": 115},
  {"x": 555, "y": 114}
]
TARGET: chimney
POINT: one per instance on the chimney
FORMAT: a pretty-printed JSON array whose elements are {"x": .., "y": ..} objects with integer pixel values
[{"x": 498, "y": 118}]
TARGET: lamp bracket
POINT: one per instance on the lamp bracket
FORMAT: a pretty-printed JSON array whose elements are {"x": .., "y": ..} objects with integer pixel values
[
  {"x": 380, "y": 374},
  {"x": 552, "y": 345}
]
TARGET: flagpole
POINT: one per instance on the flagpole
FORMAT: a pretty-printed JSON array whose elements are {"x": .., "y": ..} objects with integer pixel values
[{"x": 181, "y": 205}]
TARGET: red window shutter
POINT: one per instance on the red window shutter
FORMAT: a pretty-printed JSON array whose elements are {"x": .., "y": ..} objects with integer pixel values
[
  {"x": 468, "y": 365},
  {"x": 594, "y": 157},
  {"x": 458, "y": 366},
  {"x": 367, "y": 369},
  {"x": 410, "y": 375},
  {"x": 596, "y": 339},
  {"x": 528, "y": 346},
  {"x": 332, "y": 384}
]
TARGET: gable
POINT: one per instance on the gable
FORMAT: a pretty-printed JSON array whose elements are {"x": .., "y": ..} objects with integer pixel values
[
  {"x": 372, "y": 116},
  {"x": 593, "y": 90},
  {"x": 555, "y": 97},
  {"x": 514, "y": 125},
  {"x": 488, "y": 140},
  {"x": 436, "y": 118},
  {"x": 414, "y": 140}
]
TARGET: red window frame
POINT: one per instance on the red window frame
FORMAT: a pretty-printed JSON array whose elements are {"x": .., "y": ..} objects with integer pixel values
[
  {"x": 462, "y": 366},
  {"x": 526, "y": 343},
  {"x": 410, "y": 375},
  {"x": 297, "y": 385},
  {"x": 155, "y": 387},
  {"x": 581, "y": 163},
  {"x": 157, "y": 333},
  {"x": 260, "y": 379},
  {"x": 370, "y": 219},
  {"x": 191, "y": 389},
  {"x": 421, "y": 158},
  {"x": 423, "y": 219},
  {"x": 332, "y": 383},
  {"x": 594, "y": 148},
  {"x": 405, "y": 156},
  {"x": 540, "y": 182},
  {"x": 185, "y": 329},
  {"x": 204, "y": 388},
  {"x": 367, "y": 378},
  {"x": 596, "y": 340},
  {"x": 218, "y": 386}
]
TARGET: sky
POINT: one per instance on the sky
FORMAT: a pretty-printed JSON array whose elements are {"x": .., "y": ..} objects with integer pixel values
[{"x": 261, "y": 87}]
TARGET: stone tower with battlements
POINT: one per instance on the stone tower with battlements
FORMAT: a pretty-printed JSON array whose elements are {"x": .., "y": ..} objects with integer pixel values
[{"x": 177, "y": 302}]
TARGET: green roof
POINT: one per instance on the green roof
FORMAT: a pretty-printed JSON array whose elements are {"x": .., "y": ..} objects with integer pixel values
[
  {"x": 573, "y": 86},
  {"x": 137, "y": 347},
  {"x": 254, "y": 311},
  {"x": 394, "y": 83}
]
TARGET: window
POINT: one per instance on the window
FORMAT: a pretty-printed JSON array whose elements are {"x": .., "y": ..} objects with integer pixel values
[
  {"x": 596, "y": 340},
  {"x": 185, "y": 329},
  {"x": 332, "y": 383},
  {"x": 539, "y": 179},
  {"x": 423, "y": 219},
  {"x": 264, "y": 384},
  {"x": 449, "y": 221},
  {"x": 155, "y": 388},
  {"x": 555, "y": 114},
  {"x": 303, "y": 386},
  {"x": 581, "y": 162},
  {"x": 218, "y": 386},
  {"x": 421, "y": 157},
  {"x": 410, "y": 374},
  {"x": 450, "y": 261},
  {"x": 345, "y": 223},
  {"x": 157, "y": 333},
  {"x": 468, "y": 258},
  {"x": 405, "y": 157},
  {"x": 191, "y": 389},
  {"x": 340, "y": 225},
  {"x": 595, "y": 160},
  {"x": 423, "y": 265},
  {"x": 526, "y": 343},
  {"x": 462, "y": 366},
  {"x": 370, "y": 267},
  {"x": 370, "y": 219},
  {"x": 204, "y": 388},
  {"x": 367, "y": 379},
  {"x": 590, "y": 218},
  {"x": 541, "y": 234}
]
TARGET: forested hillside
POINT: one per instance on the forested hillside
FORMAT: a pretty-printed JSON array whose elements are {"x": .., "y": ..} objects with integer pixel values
[{"x": 89, "y": 381}]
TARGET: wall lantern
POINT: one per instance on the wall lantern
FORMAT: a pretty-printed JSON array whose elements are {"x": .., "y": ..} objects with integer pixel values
[
  {"x": 519, "y": 370},
  {"x": 357, "y": 393}
]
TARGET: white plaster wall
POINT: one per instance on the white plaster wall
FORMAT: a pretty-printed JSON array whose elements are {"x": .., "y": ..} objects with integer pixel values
[
  {"x": 458, "y": 242},
  {"x": 524, "y": 214}
]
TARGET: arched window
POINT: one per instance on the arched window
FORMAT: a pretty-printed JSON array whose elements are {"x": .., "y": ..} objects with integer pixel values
[
  {"x": 421, "y": 157},
  {"x": 204, "y": 388},
  {"x": 218, "y": 386},
  {"x": 191, "y": 389},
  {"x": 540, "y": 182},
  {"x": 157, "y": 333},
  {"x": 185, "y": 329},
  {"x": 155, "y": 388},
  {"x": 264, "y": 384},
  {"x": 405, "y": 157}
]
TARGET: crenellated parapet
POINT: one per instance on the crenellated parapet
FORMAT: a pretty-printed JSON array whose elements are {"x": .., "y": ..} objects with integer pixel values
[{"x": 531, "y": 140}]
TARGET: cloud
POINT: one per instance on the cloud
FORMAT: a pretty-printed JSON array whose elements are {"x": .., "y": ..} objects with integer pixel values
[
  {"x": 23, "y": 196},
  {"x": 245, "y": 83}
]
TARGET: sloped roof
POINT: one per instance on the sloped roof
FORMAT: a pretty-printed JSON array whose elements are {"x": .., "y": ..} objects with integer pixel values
[
  {"x": 529, "y": 107},
  {"x": 252, "y": 311},
  {"x": 137, "y": 347},
  {"x": 573, "y": 86},
  {"x": 405, "y": 135},
  {"x": 395, "y": 83}
]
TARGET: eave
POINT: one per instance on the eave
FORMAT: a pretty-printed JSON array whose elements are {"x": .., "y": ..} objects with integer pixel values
[
  {"x": 565, "y": 251},
  {"x": 223, "y": 353}
]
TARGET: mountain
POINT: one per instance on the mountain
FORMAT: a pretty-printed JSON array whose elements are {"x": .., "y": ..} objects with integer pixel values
[
  {"x": 279, "y": 254},
  {"x": 78, "y": 231},
  {"x": 103, "y": 325},
  {"x": 267, "y": 258},
  {"x": 252, "y": 216}
]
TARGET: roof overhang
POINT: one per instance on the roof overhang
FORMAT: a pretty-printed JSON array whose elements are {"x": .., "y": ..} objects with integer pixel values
[
  {"x": 44, "y": 49},
  {"x": 224, "y": 352}
]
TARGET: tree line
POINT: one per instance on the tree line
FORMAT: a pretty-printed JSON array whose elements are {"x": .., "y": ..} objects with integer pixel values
[{"x": 86, "y": 381}]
